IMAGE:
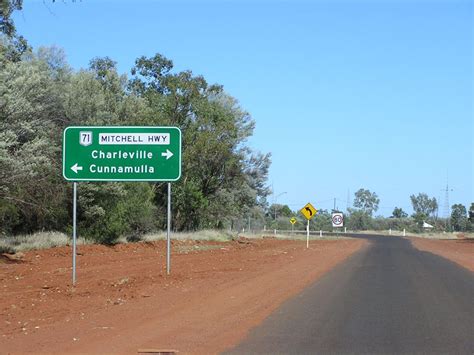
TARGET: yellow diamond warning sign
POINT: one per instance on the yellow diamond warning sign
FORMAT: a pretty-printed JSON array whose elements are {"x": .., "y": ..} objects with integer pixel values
[{"x": 308, "y": 211}]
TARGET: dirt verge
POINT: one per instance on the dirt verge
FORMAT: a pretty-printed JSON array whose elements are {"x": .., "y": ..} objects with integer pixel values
[
  {"x": 460, "y": 251},
  {"x": 124, "y": 301}
]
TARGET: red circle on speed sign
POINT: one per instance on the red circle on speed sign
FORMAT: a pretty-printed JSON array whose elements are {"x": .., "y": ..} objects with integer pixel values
[{"x": 337, "y": 220}]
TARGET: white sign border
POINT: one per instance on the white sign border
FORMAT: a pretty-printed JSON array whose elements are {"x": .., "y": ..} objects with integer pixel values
[
  {"x": 125, "y": 180},
  {"x": 332, "y": 220}
]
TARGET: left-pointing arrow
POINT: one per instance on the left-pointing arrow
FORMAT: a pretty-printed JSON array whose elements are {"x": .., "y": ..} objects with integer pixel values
[{"x": 76, "y": 168}]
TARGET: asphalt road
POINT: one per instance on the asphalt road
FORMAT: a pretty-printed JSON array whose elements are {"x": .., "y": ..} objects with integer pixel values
[{"x": 388, "y": 298}]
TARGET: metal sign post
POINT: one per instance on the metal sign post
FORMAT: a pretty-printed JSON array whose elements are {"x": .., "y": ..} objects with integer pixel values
[
  {"x": 168, "y": 237},
  {"x": 292, "y": 221},
  {"x": 308, "y": 211},
  {"x": 74, "y": 234}
]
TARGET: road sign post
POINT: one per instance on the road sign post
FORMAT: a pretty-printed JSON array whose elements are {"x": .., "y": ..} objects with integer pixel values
[
  {"x": 168, "y": 233},
  {"x": 308, "y": 211},
  {"x": 292, "y": 221},
  {"x": 74, "y": 232},
  {"x": 125, "y": 153}
]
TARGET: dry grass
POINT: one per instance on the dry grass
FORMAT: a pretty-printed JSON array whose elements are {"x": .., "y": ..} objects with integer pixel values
[
  {"x": 40, "y": 240},
  {"x": 427, "y": 235},
  {"x": 314, "y": 235},
  {"x": 186, "y": 249},
  {"x": 436, "y": 235},
  {"x": 45, "y": 240},
  {"x": 204, "y": 235}
]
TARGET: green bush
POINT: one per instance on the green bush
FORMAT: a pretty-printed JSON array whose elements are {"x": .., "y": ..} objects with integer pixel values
[
  {"x": 109, "y": 211},
  {"x": 138, "y": 210},
  {"x": 8, "y": 217},
  {"x": 359, "y": 220}
]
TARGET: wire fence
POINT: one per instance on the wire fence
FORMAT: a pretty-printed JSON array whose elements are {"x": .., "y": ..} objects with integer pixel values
[{"x": 282, "y": 226}]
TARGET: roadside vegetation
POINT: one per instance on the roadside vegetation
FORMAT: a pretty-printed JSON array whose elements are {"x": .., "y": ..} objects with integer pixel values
[
  {"x": 46, "y": 240},
  {"x": 36, "y": 241},
  {"x": 222, "y": 177},
  {"x": 223, "y": 189},
  {"x": 362, "y": 217}
]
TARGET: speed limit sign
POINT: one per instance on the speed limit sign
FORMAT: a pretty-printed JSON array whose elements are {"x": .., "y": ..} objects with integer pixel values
[{"x": 337, "y": 220}]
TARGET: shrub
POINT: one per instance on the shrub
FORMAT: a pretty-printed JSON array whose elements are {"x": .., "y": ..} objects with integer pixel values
[{"x": 110, "y": 211}]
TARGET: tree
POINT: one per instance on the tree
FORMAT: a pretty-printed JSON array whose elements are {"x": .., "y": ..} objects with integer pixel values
[
  {"x": 322, "y": 221},
  {"x": 278, "y": 210},
  {"x": 423, "y": 205},
  {"x": 459, "y": 219},
  {"x": 366, "y": 201},
  {"x": 358, "y": 220},
  {"x": 399, "y": 213},
  {"x": 218, "y": 169},
  {"x": 12, "y": 46},
  {"x": 102, "y": 66},
  {"x": 31, "y": 189},
  {"x": 109, "y": 211},
  {"x": 222, "y": 179},
  {"x": 7, "y": 7}
]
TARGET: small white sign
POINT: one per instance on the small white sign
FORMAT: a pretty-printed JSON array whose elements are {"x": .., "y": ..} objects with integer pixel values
[
  {"x": 337, "y": 220},
  {"x": 134, "y": 138}
]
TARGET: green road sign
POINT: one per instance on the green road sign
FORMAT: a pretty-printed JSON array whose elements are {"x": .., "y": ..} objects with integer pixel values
[{"x": 122, "y": 153}]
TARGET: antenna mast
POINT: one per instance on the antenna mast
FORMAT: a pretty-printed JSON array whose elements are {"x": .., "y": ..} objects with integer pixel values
[
  {"x": 348, "y": 201},
  {"x": 446, "y": 208},
  {"x": 446, "y": 202}
]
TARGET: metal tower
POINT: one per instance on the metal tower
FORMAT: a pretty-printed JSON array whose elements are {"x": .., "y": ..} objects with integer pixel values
[
  {"x": 446, "y": 208},
  {"x": 348, "y": 201}
]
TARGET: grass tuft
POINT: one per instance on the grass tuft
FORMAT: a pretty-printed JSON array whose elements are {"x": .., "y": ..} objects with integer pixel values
[
  {"x": 205, "y": 235},
  {"x": 40, "y": 240}
]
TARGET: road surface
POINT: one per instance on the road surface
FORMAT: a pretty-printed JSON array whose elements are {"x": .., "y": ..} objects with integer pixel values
[{"x": 388, "y": 298}]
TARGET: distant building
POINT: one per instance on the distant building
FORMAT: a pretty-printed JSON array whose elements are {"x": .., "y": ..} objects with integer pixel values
[{"x": 427, "y": 226}]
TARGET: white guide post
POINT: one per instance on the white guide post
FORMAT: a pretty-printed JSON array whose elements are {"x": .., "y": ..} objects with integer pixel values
[{"x": 307, "y": 234}]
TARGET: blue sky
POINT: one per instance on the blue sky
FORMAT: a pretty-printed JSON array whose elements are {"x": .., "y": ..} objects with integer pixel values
[{"x": 345, "y": 94}]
